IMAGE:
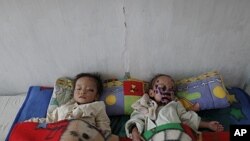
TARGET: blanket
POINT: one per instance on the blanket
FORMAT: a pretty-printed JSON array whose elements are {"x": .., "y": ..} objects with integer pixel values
[{"x": 65, "y": 130}]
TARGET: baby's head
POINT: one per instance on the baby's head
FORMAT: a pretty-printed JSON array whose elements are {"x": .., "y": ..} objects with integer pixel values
[
  {"x": 162, "y": 89},
  {"x": 87, "y": 88}
]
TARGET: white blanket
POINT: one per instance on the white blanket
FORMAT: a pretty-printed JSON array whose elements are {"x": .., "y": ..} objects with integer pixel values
[{"x": 9, "y": 106}]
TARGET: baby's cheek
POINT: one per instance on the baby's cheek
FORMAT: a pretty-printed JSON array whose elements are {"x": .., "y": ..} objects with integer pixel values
[{"x": 158, "y": 97}]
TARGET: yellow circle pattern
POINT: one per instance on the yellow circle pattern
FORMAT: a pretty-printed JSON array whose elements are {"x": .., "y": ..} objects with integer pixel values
[
  {"x": 219, "y": 92},
  {"x": 110, "y": 100}
]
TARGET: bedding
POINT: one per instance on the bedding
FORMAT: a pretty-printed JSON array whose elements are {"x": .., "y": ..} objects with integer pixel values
[
  {"x": 119, "y": 95},
  {"x": 237, "y": 113},
  {"x": 62, "y": 93},
  {"x": 64, "y": 130},
  {"x": 35, "y": 104},
  {"x": 9, "y": 106},
  {"x": 207, "y": 90}
]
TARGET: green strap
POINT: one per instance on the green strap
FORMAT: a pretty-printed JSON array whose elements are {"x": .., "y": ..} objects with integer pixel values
[{"x": 150, "y": 133}]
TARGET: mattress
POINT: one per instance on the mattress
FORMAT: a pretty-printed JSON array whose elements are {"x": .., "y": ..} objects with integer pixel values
[{"x": 9, "y": 106}]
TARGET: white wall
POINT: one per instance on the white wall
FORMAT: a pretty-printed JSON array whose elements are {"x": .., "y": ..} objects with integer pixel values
[{"x": 41, "y": 40}]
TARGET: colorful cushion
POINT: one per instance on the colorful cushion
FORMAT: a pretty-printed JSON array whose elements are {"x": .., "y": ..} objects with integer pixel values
[
  {"x": 207, "y": 90},
  {"x": 63, "y": 92},
  {"x": 119, "y": 95}
]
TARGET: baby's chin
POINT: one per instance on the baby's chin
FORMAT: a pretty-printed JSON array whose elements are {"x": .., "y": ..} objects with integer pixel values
[
  {"x": 162, "y": 103},
  {"x": 83, "y": 102}
]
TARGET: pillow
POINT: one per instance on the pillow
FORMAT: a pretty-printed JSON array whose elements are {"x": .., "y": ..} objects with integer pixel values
[
  {"x": 63, "y": 92},
  {"x": 34, "y": 105},
  {"x": 119, "y": 95},
  {"x": 207, "y": 90}
]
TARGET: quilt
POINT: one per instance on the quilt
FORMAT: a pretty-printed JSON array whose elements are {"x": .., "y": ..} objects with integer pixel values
[{"x": 66, "y": 130}]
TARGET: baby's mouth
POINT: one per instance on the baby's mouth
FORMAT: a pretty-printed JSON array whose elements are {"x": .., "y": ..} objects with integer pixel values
[
  {"x": 83, "y": 97},
  {"x": 165, "y": 98}
]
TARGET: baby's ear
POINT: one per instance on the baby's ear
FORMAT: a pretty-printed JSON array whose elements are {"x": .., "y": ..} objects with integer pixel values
[{"x": 151, "y": 93}]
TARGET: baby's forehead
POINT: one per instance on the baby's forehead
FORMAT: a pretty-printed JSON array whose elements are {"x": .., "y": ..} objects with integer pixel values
[
  {"x": 86, "y": 81},
  {"x": 163, "y": 79}
]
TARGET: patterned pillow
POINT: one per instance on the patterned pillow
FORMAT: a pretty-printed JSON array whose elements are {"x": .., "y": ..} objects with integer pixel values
[
  {"x": 207, "y": 90},
  {"x": 119, "y": 95},
  {"x": 62, "y": 93}
]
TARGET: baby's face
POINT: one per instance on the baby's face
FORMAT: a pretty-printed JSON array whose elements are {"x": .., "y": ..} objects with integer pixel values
[
  {"x": 163, "y": 90},
  {"x": 85, "y": 90}
]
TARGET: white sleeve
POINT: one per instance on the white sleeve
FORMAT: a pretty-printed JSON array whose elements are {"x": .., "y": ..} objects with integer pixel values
[
  {"x": 102, "y": 120},
  {"x": 189, "y": 117},
  {"x": 136, "y": 119},
  {"x": 52, "y": 116}
]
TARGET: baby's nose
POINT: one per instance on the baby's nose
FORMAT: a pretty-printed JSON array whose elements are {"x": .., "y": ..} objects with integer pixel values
[
  {"x": 164, "y": 88},
  {"x": 83, "y": 91}
]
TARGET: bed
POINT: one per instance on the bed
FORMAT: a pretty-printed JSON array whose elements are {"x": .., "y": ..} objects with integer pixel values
[
  {"x": 39, "y": 99},
  {"x": 9, "y": 106}
]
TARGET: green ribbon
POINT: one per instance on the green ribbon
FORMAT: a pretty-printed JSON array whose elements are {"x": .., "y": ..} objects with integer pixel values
[{"x": 150, "y": 133}]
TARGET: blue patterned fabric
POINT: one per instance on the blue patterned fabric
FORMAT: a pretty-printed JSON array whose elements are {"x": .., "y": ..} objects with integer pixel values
[
  {"x": 207, "y": 90},
  {"x": 237, "y": 113}
]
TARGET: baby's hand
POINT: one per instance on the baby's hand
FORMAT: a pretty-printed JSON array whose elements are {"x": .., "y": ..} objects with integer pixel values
[
  {"x": 30, "y": 120},
  {"x": 136, "y": 135},
  {"x": 40, "y": 120},
  {"x": 215, "y": 126}
]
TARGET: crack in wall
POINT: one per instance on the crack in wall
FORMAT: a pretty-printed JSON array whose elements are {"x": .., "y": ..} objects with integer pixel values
[
  {"x": 125, "y": 53},
  {"x": 124, "y": 14}
]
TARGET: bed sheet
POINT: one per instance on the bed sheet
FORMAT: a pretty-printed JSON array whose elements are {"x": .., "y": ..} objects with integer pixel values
[{"x": 9, "y": 106}]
